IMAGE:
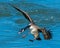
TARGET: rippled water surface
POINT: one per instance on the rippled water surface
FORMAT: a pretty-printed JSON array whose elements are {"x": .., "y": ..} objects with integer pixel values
[{"x": 44, "y": 13}]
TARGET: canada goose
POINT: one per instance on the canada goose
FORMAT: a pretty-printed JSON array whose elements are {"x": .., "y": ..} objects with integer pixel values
[{"x": 35, "y": 30}]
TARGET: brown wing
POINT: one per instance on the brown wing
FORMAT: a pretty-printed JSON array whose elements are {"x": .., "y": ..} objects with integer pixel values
[
  {"x": 23, "y": 12},
  {"x": 46, "y": 33}
]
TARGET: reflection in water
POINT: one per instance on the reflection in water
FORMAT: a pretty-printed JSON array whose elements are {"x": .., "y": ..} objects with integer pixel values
[{"x": 11, "y": 21}]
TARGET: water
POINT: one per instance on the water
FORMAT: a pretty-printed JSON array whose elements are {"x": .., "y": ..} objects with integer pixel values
[{"x": 11, "y": 21}]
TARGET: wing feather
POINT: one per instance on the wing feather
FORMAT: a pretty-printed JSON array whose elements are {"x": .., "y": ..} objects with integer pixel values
[{"x": 23, "y": 12}]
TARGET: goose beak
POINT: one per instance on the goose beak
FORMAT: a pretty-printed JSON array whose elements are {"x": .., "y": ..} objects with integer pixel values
[{"x": 22, "y": 30}]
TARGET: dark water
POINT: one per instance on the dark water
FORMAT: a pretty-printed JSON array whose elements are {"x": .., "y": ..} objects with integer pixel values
[{"x": 44, "y": 13}]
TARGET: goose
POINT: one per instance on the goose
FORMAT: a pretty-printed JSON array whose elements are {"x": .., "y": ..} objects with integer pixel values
[{"x": 35, "y": 30}]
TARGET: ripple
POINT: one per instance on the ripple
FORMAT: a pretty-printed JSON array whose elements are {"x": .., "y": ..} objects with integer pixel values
[
  {"x": 42, "y": 15},
  {"x": 20, "y": 21}
]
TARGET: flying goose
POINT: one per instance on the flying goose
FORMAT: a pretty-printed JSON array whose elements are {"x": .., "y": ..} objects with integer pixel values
[{"x": 35, "y": 30}]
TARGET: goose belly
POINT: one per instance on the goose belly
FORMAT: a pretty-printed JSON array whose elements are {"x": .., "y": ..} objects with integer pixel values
[{"x": 34, "y": 31}]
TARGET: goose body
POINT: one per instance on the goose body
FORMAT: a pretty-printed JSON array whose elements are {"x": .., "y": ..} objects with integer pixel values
[{"x": 34, "y": 29}]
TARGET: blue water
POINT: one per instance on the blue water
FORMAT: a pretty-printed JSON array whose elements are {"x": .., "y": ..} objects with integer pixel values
[{"x": 45, "y": 13}]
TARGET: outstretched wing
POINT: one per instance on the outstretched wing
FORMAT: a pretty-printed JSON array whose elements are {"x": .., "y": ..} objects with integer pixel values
[
  {"x": 46, "y": 33},
  {"x": 23, "y": 12}
]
